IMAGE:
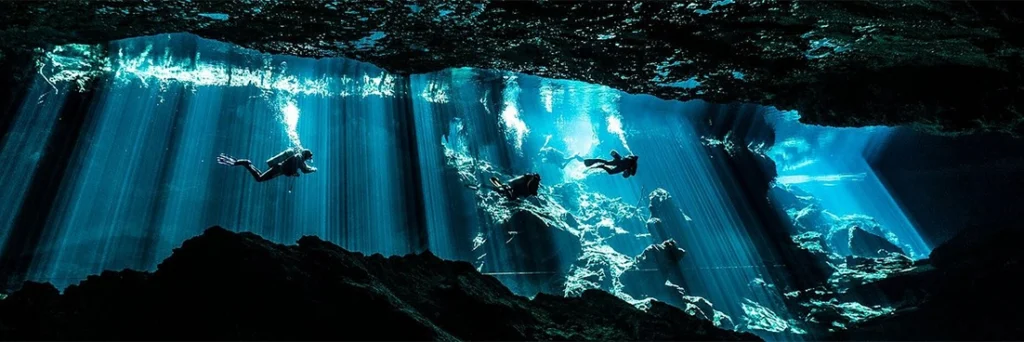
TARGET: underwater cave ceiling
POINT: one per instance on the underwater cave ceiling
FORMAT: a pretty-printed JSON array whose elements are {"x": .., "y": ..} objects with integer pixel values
[{"x": 943, "y": 67}]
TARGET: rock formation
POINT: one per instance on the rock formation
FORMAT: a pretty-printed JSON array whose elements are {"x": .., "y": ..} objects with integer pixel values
[
  {"x": 528, "y": 240},
  {"x": 967, "y": 290},
  {"x": 839, "y": 63},
  {"x": 864, "y": 244},
  {"x": 657, "y": 265},
  {"x": 223, "y": 285}
]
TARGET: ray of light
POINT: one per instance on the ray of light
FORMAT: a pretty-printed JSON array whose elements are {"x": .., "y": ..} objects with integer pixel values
[
  {"x": 840, "y": 176},
  {"x": 144, "y": 177}
]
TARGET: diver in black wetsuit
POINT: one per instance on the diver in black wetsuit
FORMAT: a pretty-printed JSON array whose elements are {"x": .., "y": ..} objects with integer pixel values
[
  {"x": 626, "y": 166},
  {"x": 522, "y": 186},
  {"x": 554, "y": 156},
  {"x": 287, "y": 163}
]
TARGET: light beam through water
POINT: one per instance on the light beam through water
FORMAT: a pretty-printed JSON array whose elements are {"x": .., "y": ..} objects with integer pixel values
[{"x": 405, "y": 164}]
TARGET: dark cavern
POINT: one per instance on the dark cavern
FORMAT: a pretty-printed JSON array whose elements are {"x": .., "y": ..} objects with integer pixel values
[{"x": 511, "y": 170}]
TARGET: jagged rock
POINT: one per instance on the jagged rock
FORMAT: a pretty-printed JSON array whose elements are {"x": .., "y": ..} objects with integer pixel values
[
  {"x": 865, "y": 244},
  {"x": 859, "y": 270},
  {"x": 813, "y": 242},
  {"x": 858, "y": 235},
  {"x": 812, "y": 218},
  {"x": 802, "y": 208},
  {"x": 969, "y": 292},
  {"x": 978, "y": 247},
  {"x": 531, "y": 242},
  {"x": 667, "y": 220},
  {"x": 964, "y": 181},
  {"x": 703, "y": 308},
  {"x": 659, "y": 255},
  {"x": 658, "y": 264},
  {"x": 228, "y": 286},
  {"x": 848, "y": 237},
  {"x": 698, "y": 306},
  {"x": 599, "y": 268},
  {"x": 837, "y": 63},
  {"x": 826, "y": 310},
  {"x": 628, "y": 243},
  {"x": 602, "y": 219},
  {"x": 660, "y": 203},
  {"x": 759, "y": 317},
  {"x": 661, "y": 259},
  {"x": 569, "y": 194},
  {"x": 631, "y": 237}
]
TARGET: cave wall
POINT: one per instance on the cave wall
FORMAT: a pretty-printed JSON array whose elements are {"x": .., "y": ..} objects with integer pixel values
[
  {"x": 951, "y": 184},
  {"x": 112, "y": 174},
  {"x": 747, "y": 127}
]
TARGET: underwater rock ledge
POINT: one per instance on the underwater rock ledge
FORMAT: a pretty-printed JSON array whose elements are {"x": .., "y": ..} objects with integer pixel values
[
  {"x": 223, "y": 285},
  {"x": 942, "y": 66},
  {"x": 968, "y": 290}
]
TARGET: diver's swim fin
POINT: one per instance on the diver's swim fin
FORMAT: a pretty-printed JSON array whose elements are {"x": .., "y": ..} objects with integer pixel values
[
  {"x": 502, "y": 188},
  {"x": 592, "y": 162},
  {"x": 570, "y": 159}
]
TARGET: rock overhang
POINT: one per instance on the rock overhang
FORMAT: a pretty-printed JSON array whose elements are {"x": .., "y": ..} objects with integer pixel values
[{"x": 944, "y": 67}]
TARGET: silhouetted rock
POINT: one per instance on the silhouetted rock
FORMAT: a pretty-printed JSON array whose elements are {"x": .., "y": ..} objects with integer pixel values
[
  {"x": 865, "y": 244},
  {"x": 660, "y": 203},
  {"x": 969, "y": 291},
  {"x": 667, "y": 219},
  {"x": 228, "y": 286},
  {"x": 839, "y": 63},
  {"x": 665, "y": 253},
  {"x": 656, "y": 272},
  {"x": 848, "y": 237},
  {"x": 977, "y": 247},
  {"x": 528, "y": 240},
  {"x": 657, "y": 264},
  {"x": 701, "y": 307}
]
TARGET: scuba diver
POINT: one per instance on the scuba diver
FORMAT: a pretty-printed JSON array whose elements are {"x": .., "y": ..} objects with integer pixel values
[
  {"x": 626, "y": 166},
  {"x": 287, "y": 163},
  {"x": 554, "y": 156},
  {"x": 522, "y": 186}
]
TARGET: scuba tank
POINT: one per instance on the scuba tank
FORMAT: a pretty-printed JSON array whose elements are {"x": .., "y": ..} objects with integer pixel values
[{"x": 281, "y": 157}]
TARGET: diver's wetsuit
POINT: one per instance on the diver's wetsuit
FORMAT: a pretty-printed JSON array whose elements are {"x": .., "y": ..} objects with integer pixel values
[
  {"x": 290, "y": 167},
  {"x": 287, "y": 163},
  {"x": 522, "y": 186},
  {"x": 625, "y": 166}
]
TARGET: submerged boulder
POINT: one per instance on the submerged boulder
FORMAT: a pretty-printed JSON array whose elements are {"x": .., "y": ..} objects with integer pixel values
[
  {"x": 535, "y": 244},
  {"x": 865, "y": 244},
  {"x": 665, "y": 254},
  {"x": 970, "y": 291},
  {"x": 701, "y": 307},
  {"x": 977, "y": 247},
  {"x": 854, "y": 239},
  {"x": 661, "y": 203},
  {"x": 658, "y": 264},
  {"x": 667, "y": 219}
]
